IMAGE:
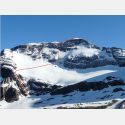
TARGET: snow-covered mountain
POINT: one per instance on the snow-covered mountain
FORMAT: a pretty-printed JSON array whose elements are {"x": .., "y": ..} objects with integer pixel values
[{"x": 69, "y": 74}]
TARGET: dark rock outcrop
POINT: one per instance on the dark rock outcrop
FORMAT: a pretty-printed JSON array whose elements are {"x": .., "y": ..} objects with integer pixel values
[
  {"x": 2, "y": 92},
  {"x": 6, "y": 72},
  {"x": 40, "y": 88},
  {"x": 87, "y": 86},
  {"x": 12, "y": 95},
  {"x": 9, "y": 75},
  {"x": 118, "y": 89},
  {"x": 119, "y": 55}
]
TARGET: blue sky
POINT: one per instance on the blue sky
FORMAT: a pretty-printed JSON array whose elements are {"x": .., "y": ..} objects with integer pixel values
[{"x": 101, "y": 30}]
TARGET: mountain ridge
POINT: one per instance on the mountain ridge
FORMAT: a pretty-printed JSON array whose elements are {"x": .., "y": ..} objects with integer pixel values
[
  {"x": 74, "y": 66},
  {"x": 117, "y": 54}
]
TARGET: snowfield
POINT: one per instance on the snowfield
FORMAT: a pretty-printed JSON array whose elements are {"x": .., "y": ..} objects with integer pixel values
[
  {"x": 72, "y": 100},
  {"x": 34, "y": 63},
  {"x": 55, "y": 74}
]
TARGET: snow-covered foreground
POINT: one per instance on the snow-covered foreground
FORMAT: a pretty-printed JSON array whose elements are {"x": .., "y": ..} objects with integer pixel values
[
  {"x": 103, "y": 97},
  {"x": 55, "y": 73}
]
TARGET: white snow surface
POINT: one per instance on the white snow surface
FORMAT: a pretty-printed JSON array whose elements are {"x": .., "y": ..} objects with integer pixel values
[
  {"x": 89, "y": 98},
  {"x": 83, "y": 51},
  {"x": 54, "y": 74},
  {"x": 57, "y": 74}
]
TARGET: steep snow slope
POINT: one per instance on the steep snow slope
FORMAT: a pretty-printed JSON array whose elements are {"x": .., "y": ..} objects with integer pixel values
[
  {"x": 53, "y": 74},
  {"x": 66, "y": 64}
]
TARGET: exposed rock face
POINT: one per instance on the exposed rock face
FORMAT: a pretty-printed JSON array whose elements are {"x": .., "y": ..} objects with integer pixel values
[
  {"x": 87, "y": 86},
  {"x": 7, "y": 88},
  {"x": 74, "y": 53},
  {"x": 7, "y": 65},
  {"x": 119, "y": 55},
  {"x": 2, "y": 92},
  {"x": 96, "y": 57},
  {"x": 37, "y": 87},
  {"x": 12, "y": 95},
  {"x": 6, "y": 72},
  {"x": 118, "y": 89},
  {"x": 87, "y": 62},
  {"x": 77, "y": 53},
  {"x": 78, "y": 42}
]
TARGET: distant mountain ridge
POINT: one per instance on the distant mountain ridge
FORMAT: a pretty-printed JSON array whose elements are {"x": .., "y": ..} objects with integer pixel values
[{"x": 75, "y": 53}]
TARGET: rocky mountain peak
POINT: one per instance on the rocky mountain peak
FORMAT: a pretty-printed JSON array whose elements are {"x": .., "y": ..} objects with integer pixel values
[
  {"x": 79, "y": 42},
  {"x": 74, "y": 53},
  {"x": 61, "y": 69}
]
